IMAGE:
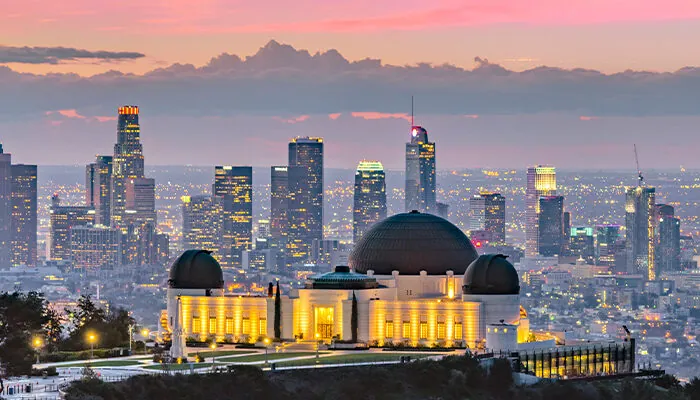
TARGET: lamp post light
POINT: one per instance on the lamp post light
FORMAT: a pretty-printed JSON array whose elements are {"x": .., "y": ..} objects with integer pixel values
[
  {"x": 131, "y": 336},
  {"x": 267, "y": 343},
  {"x": 37, "y": 343},
  {"x": 145, "y": 332},
  {"x": 213, "y": 363},
  {"x": 318, "y": 344},
  {"x": 92, "y": 338}
]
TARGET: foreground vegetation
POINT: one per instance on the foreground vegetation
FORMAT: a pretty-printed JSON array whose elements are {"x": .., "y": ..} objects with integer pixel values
[{"x": 455, "y": 377}]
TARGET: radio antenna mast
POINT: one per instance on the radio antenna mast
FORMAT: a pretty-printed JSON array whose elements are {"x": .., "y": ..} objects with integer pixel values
[
  {"x": 640, "y": 177},
  {"x": 412, "y": 112}
]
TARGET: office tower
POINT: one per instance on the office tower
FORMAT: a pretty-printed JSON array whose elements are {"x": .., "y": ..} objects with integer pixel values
[
  {"x": 688, "y": 253},
  {"x": 305, "y": 204},
  {"x": 234, "y": 186},
  {"x": 5, "y": 209},
  {"x": 95, "y": 247},
  {"x": 566, "y": 242},
  {"x": 606, "y": 240},
  {"x": 541, "y": 181},
  {"x": 98, "y": 181},
  {"x": 639, "y": 226},
  {"x": 63, "y": 218},
  {"x": 140, "y": 196},
  {"x": 279, "y": 197},
  {"x": 202, "y": 219},
  {"x": 263, "y": 228},
  {"x": 488, "y": 213},
  {"x": 582, "y": 243},
  {"x": 24, "y": 215},
  {"x": 259, "y": 260},
  {"x": 322, "y": 250},
  {"x": 443, "y": 210},
  {"x": 128, "y": 162},
  {"x": 668, "y": 251},
  {"x": 420, "y": 172},
  {"x": 369, "y": 204},
  {"x": 551, "y": 225}
]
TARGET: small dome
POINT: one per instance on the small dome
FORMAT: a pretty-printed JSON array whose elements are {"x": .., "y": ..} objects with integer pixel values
[
  {"x": 196, "y": 269},
  {"x": 411, "y": 243},
  {"x": 491, "y": 274}
]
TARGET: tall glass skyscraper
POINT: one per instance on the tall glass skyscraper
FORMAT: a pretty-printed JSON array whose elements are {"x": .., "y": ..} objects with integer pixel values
[
  {"x": 640, "y": 224},
  {"x": 606, "y": 244},
  {"x": 24, "y": 215},
  {"x": 369, "y": 206},
  {"x": 582, "y": 243},
  {"x": 63, "y": 219},
  {"x": 98, "y": 181},
  {"x": 279, "y": 200},
  {"x": 420, "y": 188},
  {"x": 234, "y": 186},
  {"x": 5, "y": 209},
  {"x": 305, "y": 203},
  {"x": 668, "y": 253},
  {"x": 488, "y": 213},
  {"x": 551, "y": 225},
  {"x": 128, "y": 162},
  {"x": 541, "y": 181},
  {"x": 202, "y": 223}
]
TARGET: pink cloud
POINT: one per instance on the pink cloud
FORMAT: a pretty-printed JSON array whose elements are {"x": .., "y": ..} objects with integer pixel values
[
  {"x": 101, "y": 118},
  {"x": 74, "y": 114},
  {"x": 471, "y": 116},
  {"x": 379, "y": 115},
  {"x": 293, "y": 120},
  {"x": 334, "y": 116},
  {"x": 588, "y": 118}
]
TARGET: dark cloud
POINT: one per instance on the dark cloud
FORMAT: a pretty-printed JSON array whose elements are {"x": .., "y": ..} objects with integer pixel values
[
  {"x": 281, "y": 80},
  {"x": 56, "y": 55}
]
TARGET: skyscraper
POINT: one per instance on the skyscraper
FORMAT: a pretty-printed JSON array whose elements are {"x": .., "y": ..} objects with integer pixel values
[
  {"x": 98, "y": 181},
  {"x": 5, "y": 209},
  {"x": 369, "y": 206},
  {"x": 24, "y": 215},
  {"x": 128, "y": 162},
  {"x": 606, "y": 244},
  {"x": 488, "y": 213},
  {"x": 305, "y": 203},
  {"x": 234, "y": 186},
  {"x": 640, "y": 224},
  {"x": 420, "y": 172},
  {"x": 202, "y": 220},
  {"x": 668, "y": 253},
  {"x": 93, "y": 247},
  {"x": 63, "y": 218},
  {"x": 279, "y": 200},
  {"x": 541, "y": 181},
  {"x": 551, "y": 225},
  {"x": 582, "y": 243}
]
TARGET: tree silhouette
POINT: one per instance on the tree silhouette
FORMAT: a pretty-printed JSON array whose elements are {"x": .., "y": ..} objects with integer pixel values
[
  {"x": 278, "y": 313},
  {"x": 353, "y": 318}
]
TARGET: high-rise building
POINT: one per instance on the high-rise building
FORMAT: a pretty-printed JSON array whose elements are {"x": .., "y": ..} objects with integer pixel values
[
  {"x": 369, "y": 206},
  {"x": 234, "y": 186},
  {"x": 5, "y": 209},
  {"x": 63, "y": 218},
  {"x": 551, "y": 225},
  {"x": 128, "y": 162},
  {"x": 98, "y": 181},
  {"x": 566, "y": 242},
  {"x": 279, "y": 200},
  {"x": 420, "y": 172},
  {"x": 24, "y": 215},
  {"x": 606, "y": 240},
  {"x": 488, "y": 213},
  {"x": 95, "y": 247},
  {"x": 541, "y": 181},
  {"x": 640, "y": 226},
  {"x": 305, "y": 203},
  {"x": 263, "y": 229},
  {"x": 140, "y": 195},
  {"x": 202, "y": 220},
  {"x": 668, "y": 251},
  {"x": 582, "y": 243},
  {"x": 688, "y": 253}
]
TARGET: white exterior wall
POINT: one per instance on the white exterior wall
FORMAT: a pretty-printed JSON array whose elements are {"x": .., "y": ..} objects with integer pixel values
[
  {"x": 413, "y": 287},
  {"x": 496, "y": 308}
]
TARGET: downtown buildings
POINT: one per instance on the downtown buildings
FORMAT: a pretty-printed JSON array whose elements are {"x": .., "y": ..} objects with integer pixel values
[
  {"x": 640, "y": 224},
  {"x": 369, "y": 204},
  {"x": 420, "y": 173},
  {"x": 233, "y": 186},
  {"x": 488, "y": 214},
  {"x": 541, "y": 181},
  {"x": 18, "y": 213}
]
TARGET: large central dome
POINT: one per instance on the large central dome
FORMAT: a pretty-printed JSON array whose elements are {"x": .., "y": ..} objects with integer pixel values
[{"x": 413, "y": 242}]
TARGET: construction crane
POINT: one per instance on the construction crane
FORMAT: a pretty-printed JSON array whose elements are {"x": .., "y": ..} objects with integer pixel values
[{"x": 640, "y": 178}]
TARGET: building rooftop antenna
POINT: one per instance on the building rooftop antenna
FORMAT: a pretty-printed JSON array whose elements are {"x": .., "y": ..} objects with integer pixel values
[
  {"x": 640, "y": 177},
  {"x": 412, "y": 124}
]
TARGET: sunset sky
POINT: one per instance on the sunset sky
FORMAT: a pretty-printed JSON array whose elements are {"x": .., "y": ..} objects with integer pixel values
[{"x": 201, "y": 107}]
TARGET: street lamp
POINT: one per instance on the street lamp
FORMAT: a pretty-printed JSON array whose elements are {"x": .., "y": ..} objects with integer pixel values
[
  {"x": 92, "y": 338},
  {"x": 267, "y": 342},
  {"x": 318, "y": 344},
  {"x": 213, "y": 363},
  {"x": 145, "y": 332},
  {"x": 37, "y": 343},
  {"x": 131, "y": 336}
]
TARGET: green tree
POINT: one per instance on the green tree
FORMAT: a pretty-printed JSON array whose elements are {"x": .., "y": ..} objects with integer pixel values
[
  {"x": 111, "y": 329},
  {"x": 23, "y": 316},
  {"x": 278, "y": 313},
  {"x": 692, "y": 389},
  {"x": 353, "y": 318}
]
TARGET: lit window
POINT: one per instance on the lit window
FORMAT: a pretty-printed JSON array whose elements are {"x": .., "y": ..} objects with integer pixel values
[
  {"x": 229, "y": 326},
  {"x": 406, "y": 330},
  {"x": 423, "y": 330},
  {"x": 196, "y": 325},
  {"x": 458, "y": 331},
  {"x": 262, "y": 326},
  {"x": 505, "y": 330},
  {"x": 212, "y": 325},
  {"x": 246, "y": 326},
  {"x": 441, "y": 330},
  {"x": 495, "y": 330},
  {"x": 389, "y": 329}
]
